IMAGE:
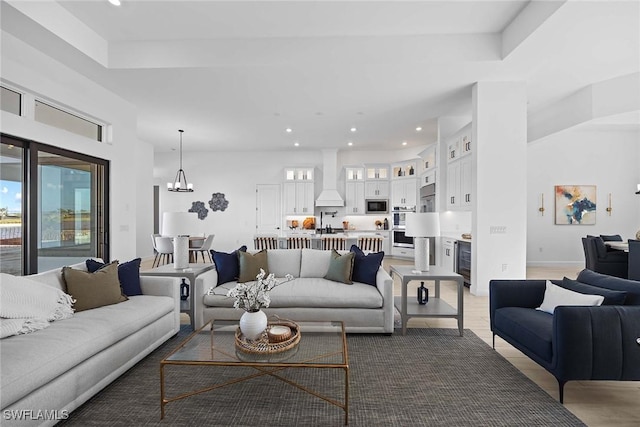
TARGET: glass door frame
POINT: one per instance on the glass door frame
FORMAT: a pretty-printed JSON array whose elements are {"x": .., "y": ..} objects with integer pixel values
[{"x": 30, "y": 203}]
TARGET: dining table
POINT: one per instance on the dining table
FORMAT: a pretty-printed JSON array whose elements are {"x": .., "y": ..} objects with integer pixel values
[{"x": 617, "y": 245}]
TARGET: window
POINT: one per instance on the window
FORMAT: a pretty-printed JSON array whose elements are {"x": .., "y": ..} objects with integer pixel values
[
  {"x": 10, "y": 101},
  {"x": 53, "y": 116},
  {"x": 53, "y": 207}
]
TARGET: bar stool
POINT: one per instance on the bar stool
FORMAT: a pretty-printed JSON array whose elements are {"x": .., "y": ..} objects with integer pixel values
[
  {"x": 370, "y": 244},
  {"x": 298, "y": 242},
  {"x": 337, "y": 243},
  {"x": 265, "y": 242}
]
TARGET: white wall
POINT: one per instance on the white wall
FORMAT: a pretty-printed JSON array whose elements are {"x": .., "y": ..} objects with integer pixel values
[
  {"x": 236, "y": 174},
  {"x": 130, "y": 161},
  {"x": 608, "y": 159}
]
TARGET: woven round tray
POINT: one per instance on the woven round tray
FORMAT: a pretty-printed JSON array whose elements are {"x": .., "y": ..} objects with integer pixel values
[{"x": 263, "y": 346}]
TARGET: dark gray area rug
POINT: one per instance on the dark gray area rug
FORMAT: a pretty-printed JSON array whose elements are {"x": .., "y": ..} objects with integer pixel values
[{"x": 428, "y": 377}]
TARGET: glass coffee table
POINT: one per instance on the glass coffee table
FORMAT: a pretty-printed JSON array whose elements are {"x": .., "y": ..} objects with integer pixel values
[{"x": 322, "y": 345}]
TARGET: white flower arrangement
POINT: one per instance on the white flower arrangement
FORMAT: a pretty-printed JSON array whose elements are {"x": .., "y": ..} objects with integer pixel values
[{"x": 252, "y": 296}]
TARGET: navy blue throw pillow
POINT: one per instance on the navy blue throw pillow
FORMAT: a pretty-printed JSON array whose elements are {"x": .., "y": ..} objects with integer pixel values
[
  {"x": 128, "y": 275},
  {"x": 227, "y": 265},
  {"x": 611, "y": 297},
  {"x": 365, "y": 267}
]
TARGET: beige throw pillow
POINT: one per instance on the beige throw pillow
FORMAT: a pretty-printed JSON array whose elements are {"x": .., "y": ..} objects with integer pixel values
[
  {"x": 340, "y": 267},
  {"x": 250, "y": 265},
  {"x": 92, "y": 290}
]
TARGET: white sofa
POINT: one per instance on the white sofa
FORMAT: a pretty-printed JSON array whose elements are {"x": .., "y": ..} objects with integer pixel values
[
  {"x": 362, "y": 307},
  {"x": 50, "y": 372}
]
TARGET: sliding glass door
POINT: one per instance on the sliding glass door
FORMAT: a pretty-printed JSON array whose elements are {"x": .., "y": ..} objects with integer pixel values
[
  {"x": 11, "y": 191},
  {"x": 64, "y": 217}
]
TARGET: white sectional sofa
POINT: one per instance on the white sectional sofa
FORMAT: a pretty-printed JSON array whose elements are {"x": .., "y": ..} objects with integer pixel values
[
  {"x": 309, "y": 296},
  {"x": 50, "y": 372}
]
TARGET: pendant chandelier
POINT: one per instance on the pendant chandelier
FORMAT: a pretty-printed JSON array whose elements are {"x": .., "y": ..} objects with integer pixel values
[{"x": 180, "y": 183}]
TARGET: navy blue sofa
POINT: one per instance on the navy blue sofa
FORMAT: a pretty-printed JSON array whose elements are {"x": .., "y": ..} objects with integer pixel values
[{"x": 576, "y": 342}]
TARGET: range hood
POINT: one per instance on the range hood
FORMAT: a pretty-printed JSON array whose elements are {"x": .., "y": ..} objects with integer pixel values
[{"x": 329, "y": 195}]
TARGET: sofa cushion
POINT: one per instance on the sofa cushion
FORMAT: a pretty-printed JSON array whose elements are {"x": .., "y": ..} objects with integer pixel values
[
  {"x": 314, "y": 263},
  {"x": 307, "y": 292},
  {"x": 340, "y": 267},
  {"x": 284, "y": 261},
  {"x": 632, "y": 287},
  {"x": 30, "y": 361},
  {"x": 250, "y": 265},
  {"x": 531, "y": 328},
  {"x": 91, "y": 290},
  {"x": 128, "y": 274},
  {"x": 365, "y": 267},
  {"x": 555, "y": 295},
  {"x": 611, "y": 297},
  {"x": 227, "y": 265}
]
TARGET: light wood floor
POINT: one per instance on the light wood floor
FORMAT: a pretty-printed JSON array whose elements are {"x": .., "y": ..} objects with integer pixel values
[{"x": 596, "y": 403}]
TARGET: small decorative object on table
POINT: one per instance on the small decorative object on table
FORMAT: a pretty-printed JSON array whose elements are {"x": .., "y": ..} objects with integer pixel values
[
  {"x": 251, "y": 297},
  {"x": 423, "y": 294},
  {"x": 280, "y": 335}
]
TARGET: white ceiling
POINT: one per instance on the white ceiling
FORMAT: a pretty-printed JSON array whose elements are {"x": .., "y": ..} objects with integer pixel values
[{"x": 234, "y": 75}]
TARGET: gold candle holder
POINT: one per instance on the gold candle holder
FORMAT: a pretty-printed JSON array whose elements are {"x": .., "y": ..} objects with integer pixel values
[
  {"x": 609, "y": 209},
  {"x": 541, "y": 208}
]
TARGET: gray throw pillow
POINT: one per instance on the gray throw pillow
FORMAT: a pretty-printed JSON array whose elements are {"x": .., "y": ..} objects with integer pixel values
[
  {"x": 92, "y": 290},
  {"x": 340, "y": 267},
  {"x": 250, "y": 265}
]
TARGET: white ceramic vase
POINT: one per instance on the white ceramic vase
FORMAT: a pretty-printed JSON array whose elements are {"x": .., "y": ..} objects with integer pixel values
[{"x": 253, "y": 324}]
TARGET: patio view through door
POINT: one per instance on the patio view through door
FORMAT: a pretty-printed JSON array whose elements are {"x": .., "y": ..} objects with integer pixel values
[{"x": 57, "y": 211}]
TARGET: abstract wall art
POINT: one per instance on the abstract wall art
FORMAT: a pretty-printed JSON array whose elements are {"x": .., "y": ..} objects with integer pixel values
[
  {"x": 575, "y": 204},
  {"x": 199, "y": 208},
  {"x": 218, "y": 202}
]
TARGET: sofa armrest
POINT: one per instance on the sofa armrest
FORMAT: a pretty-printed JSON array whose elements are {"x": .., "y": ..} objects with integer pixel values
[
  {"x": 598, "y": 343},
  {"x": 204, "y": 281},
  {"x": 384, "y": 283},
  {"x": 515, "y": 293},
  {"x": 163, "y": 286}
]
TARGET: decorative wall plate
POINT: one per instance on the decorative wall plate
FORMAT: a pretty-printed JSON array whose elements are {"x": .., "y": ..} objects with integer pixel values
[
  {"x": 218, "y": 202},
  {"x": 200, "y": 209}
]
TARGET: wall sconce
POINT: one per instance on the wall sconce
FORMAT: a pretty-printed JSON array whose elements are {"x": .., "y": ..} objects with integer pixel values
[
  {"x": 609, "y": 207},
  {"x": 638, "y": 192},
  {"x": 541, "y": 208}
]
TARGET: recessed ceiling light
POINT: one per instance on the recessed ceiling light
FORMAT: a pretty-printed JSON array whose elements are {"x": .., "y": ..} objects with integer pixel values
[
  {"x": 404, "y": 142},
  {"x": 288, "y": 130},
  {"x": 360, "y": 113},
  {"x": 353, "y": 129},
  {"x": 115, "y": 2},
  {"x": 319, "y": 113},
  {"x": 296, "y": 144},
  {"x": 349, "y": 143},
  {"x": 418, "y": 129}
]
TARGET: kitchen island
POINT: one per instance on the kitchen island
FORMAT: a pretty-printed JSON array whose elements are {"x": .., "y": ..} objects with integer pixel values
[{"x": 351, "y": 237}]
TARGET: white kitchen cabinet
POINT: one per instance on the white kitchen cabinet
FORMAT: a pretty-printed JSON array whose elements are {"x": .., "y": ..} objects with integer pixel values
[
  {"x": 405, "y": 169},
  {"x": 428, "y": 158},
  {"x": 354, "y": 198},
  {"x": 376, "y": 189},
  {"x": 428, "y": 178},
  {"x": 447, "y": 254},
  {"x": 354, "y": 173},
  {"x": 453, "y": 150},
  {"x": 459, "y": 183},
  {"x": 298, "y": 198},
  {"x": 404, "y": 192},
  {"x": 376, "y": 172},
  {"x": 402, "y": 252},
  {"x": 465, "y": 145}
]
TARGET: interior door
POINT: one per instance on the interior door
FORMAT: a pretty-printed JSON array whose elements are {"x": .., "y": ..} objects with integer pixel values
[{"x": 268, "y": 209}]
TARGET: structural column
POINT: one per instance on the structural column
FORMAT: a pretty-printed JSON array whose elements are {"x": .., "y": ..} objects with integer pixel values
[{"x": 499, "y": 225}]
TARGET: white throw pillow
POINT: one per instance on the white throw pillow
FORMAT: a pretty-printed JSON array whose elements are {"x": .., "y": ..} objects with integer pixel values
[
  {"x": 556, "y": 295},
  {"x": 314, "y": 263}
]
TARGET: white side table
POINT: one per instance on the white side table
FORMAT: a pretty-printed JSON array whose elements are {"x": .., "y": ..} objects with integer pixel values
[
  {"x": 436, "y": 307},
  {"x": 190, "y": 273}
]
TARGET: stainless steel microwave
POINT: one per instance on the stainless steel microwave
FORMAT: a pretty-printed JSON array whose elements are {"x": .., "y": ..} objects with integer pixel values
[{"x": 376, "y": 206}]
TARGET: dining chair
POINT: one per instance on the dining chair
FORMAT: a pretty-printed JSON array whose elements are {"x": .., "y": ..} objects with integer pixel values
[
  {"x": 370, "y": 243},
  {"x": 332, "y": 242},
  {"x": 261, "y": 242},
  {"x": 164, "y": 246},
  {"x": 202, "y": 249},
  {"x": 298, "y": 242}
]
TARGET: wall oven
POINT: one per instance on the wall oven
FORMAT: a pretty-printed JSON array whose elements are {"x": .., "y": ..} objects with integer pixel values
[{"x": 399, "y": 239}]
